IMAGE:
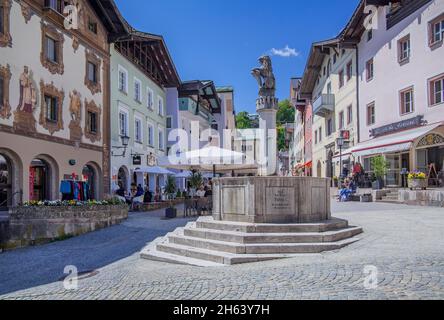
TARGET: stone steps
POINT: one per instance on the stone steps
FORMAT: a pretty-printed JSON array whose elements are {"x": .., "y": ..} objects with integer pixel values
[
  {"x": 208, "y": 242},
  {"x": 209, "y": 223},
  {"x": 256, "y": 248},
  {"x": 251, "y": 238}
]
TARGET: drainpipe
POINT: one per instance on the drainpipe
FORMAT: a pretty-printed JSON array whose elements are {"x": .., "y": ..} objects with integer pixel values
[{"x": 357, "y": 93}]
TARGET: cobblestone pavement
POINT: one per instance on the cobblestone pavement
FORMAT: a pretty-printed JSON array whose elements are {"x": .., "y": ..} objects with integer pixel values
[{"x": 405, "y": 244}]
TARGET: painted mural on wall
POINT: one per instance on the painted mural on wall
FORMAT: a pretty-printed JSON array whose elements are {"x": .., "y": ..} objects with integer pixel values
[
  {"x": 24, "y": 119},
  {"x": 75, "y": 110}
]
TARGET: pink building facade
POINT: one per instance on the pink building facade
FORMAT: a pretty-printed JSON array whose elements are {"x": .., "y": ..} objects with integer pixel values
[{"x": 401, "y": 88}]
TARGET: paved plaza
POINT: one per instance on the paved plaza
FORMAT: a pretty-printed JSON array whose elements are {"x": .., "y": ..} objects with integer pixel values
[{"x": 405, "y": 244}]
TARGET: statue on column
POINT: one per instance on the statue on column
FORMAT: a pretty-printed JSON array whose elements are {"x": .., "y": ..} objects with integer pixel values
[
  {"x": 267, "y": 106},
  {"x": 24, "y": 115},
  {"x": 265, "y": 77},
  {"x": 267, "y": 84}
]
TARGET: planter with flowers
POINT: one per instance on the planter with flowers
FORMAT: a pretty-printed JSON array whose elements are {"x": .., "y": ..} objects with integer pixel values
[{"x": 417, "y": 180}]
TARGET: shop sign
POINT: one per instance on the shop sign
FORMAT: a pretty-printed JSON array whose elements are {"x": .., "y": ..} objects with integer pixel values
[
  {"x": 151, "y": 160},
  {"x": 398, "y": 126},
  {"x": 137, "y": 160}
]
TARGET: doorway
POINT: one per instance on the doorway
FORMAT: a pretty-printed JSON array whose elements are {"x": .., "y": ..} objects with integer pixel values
[
  {"x": 39, "y": 181},
  {"x": 5, "y": 183}
]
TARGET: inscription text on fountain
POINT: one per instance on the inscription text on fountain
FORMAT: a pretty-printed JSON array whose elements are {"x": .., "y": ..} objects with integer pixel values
[{"x": 281, "y": 200}]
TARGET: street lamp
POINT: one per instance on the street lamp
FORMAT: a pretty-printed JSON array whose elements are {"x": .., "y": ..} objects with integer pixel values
[{"x": 125, "y": 141}]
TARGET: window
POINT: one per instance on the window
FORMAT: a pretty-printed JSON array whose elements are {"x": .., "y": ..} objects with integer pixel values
[
  {"x": 92, "y": 26},
  {"x": 51, "y": 111},
  {"x": 349, "y": 114},
  {"x": 2, "y": 20},
  {"x": 123, "y": 80},
  {"x": 328, "y": 68},
  {"x": 123, "y": 124},
  {"x": 369, "y": 35},
  {"x": 369, "y": 70},
  {"x": 51, "y": 104},
  {"x": 161, "y": 111},
  {"x": 316, "y": 136},
  {"x": 150, "y": 135},
  {"x": 404, "y": 49},
  {"x": 169, "y": 123},
  {"x": 320, "y": 134},
  {"x": 92, "y": 72},
  {"x": 330, "y": 127},
  {"x": 371, "y": 117},
  {"x": 436, "y": 30},
  {"x": 92, "y": 122},
  {"x": 150, "y": 99},
  {"x": 436, "y": 89},
  {"x": 341, "y": 120},
  {"x": 92, "y": 77},
  {"x": 138, "y": 130},
  {"x": 51, "y": 55},
  {"x": 406, "y": 98},
  {"x": 325, "y": 71},
  {"x": 56, "y": 5},
  {"x": 51, "y": 49},
  {"x": 349, "y": 70},
  {"x": 137, "y": 91},
  {"x": 335, "y": 58},
  {"x": 341, "y": 78},
  {"x": 161, "y": 140}
]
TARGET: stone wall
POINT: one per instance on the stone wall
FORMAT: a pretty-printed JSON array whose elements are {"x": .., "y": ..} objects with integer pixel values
[
  {"x": 147, "y": 207},
  {"x": 37, "y": 225},
  {"x": 434, "y": 198},
  {"x": 272, "y": 199}
]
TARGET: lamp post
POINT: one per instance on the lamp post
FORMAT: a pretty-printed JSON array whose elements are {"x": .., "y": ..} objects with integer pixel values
[
  {"x": 125, "y": 141},
  {"x": 340, "y": 142}
]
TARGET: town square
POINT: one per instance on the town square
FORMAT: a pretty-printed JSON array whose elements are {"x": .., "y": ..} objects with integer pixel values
[{"x": 142, "y": 160}]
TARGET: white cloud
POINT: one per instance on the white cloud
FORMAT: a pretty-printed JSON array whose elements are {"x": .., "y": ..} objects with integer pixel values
[{"x": 285, "y": 52}]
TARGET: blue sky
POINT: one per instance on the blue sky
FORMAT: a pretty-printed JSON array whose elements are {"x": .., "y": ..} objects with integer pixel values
[{"x": 221, "y": 40}]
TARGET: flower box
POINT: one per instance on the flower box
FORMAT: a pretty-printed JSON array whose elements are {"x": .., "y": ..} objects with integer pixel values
[{"x": 418, "y": 184}]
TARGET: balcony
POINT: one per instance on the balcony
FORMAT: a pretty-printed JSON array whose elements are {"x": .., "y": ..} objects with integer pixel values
[
  {"x": 324, "y": 105},
  {"x": 298, "y": 104}
]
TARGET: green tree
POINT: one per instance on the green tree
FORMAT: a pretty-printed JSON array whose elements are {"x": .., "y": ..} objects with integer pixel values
[
  {"x": 243, "y": 121},
  {"x": 281, "y": 138},
  {"x": 286, "y": 112}
]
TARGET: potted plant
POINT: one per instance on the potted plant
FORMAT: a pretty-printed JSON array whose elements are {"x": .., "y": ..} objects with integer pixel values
[
  {"x": 196, "y": 180},
  {"x": 170, "y": 191},
  {"x": 335, "y": 182},
  {"x": 380, "y": 166},
  {"x": 417, "y": 180}
]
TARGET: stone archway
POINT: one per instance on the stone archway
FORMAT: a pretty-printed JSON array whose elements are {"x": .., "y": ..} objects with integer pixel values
[
  {"x": 46, "y": 178},
  {"x": 123, "y": 178},
  {"x": 12, "y": 180},
  {"x": 93, "y": 175}
]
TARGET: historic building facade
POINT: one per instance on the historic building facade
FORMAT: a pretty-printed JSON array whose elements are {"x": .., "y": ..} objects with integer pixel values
[
  {"x": 329, "y": 82},
  {"x": 54, "y": 102},
  {"x": 297, "y": 144},
  {"x": 142, "y": 74},
  {"x": 401, "y": 81}
]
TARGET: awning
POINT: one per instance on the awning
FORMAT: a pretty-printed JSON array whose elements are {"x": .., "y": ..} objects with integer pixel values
[
  {"x": 308, "y": 164},
  {"x": 394, "y": 143},
  {"x": 154, "y": 170}
]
